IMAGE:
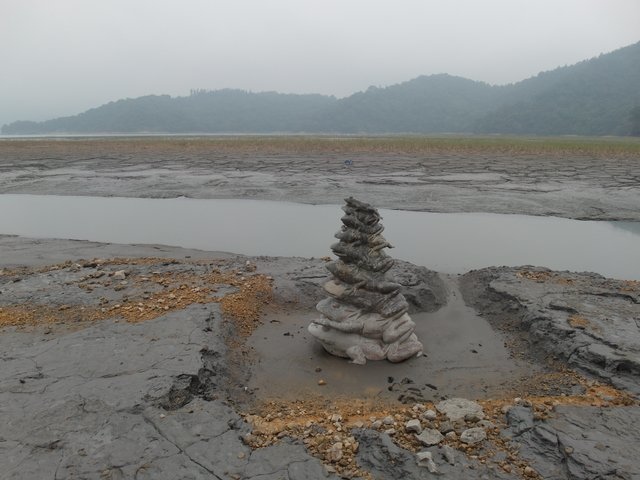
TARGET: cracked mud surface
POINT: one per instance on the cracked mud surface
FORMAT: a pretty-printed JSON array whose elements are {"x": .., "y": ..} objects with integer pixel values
[
  {"x": 571, "y": 184},
  {"x": 161, "y": 394},
  {"x": 149, "y": 362}
]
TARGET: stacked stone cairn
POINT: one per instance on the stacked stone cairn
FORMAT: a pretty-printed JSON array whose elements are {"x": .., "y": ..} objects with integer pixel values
[{"x": 365, "y": 317}]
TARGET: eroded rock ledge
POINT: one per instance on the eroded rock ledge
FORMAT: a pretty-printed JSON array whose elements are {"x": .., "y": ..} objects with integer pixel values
[{"x": 587, "y": 321}]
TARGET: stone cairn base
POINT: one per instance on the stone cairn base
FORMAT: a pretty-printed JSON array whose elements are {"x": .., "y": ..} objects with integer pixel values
[{"x": 365, "y": 316}]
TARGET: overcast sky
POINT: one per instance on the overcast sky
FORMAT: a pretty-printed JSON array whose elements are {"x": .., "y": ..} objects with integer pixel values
[{"x": 61, "y": 57}]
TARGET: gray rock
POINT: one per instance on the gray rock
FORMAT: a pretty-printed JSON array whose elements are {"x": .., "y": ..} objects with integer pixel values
[
  {"x": 520, "y": 420},
  {"x": 584, "y": 443},
  {"x": 457, "y": 408},
  {"x": 449, "y": 454},
  {"x": 446, "y": 427},
  {"x": 472, "y": 436},
  {"x": 413, "y": 426},
  {"x": 387, "y": 461},
  {"x": 429, "y": 415},
  {"x": 430, "y": 436},
  {"x": 425, "y": 459},
  {"x": 584, "y": 319}
]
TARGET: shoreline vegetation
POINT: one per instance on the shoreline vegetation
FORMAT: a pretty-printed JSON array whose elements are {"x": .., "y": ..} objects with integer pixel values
[{"x": 570, "y": 146}]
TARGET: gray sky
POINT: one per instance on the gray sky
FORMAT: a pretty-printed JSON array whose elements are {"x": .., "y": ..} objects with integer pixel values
[{"x": 61, "y": 57}]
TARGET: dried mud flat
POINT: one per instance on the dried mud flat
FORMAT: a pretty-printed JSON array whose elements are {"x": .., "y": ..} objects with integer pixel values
[
  {"x": 143, "y": 361},
  {"x": 124, "y": 361},
  {"x": 580, "y": 179}
]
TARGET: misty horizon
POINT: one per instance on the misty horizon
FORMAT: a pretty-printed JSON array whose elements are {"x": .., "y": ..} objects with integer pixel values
[{"x": 62, "y": 58}]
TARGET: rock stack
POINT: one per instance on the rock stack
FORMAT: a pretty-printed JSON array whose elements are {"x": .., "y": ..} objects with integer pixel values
[{"x": 365, "y": 317}]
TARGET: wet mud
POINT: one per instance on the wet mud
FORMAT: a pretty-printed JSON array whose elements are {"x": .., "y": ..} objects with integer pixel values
[
  {"x": 587, "y": 186},
  {"x": 463, "y": 357}
]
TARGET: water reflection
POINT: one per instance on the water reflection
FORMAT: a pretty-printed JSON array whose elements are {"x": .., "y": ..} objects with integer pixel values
[{"x": 452, "y": 243}]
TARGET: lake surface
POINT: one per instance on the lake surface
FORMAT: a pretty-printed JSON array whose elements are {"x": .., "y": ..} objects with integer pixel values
[{"x": 450, "y": 243}]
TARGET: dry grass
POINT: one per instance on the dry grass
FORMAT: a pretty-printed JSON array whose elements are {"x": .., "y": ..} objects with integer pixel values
[{"x": 617, "y": 147}]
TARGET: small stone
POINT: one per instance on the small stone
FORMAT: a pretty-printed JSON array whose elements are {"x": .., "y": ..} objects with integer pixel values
[
  {"x": 472, "y": 436},
  {"x": 388, "y": 420},
  {"x": 390, "y": 431},
  {"x": 429, "y": 415},
  {"x": 358, "y": 424},
  {"x": 568, "y": 450},
  {"x": 446, "y": 427},
  {"x": 457, "y": 408},
  {"x": 530, "y": 472},
  {"x": 430, "y": 436},
  {"x": 452, "y": 436},
  {"x": 376, "y": 425},
  {"x": 413, "y": 426},
  {"x": 336, "y": 418},
  {"x": 120, "y": 275},
  {"x": 322, "y": 382},
  {"x": 334, "y": 454},
  {"x": 486, "y": 424},
  {"x": 241, "y": 455},
  {"x": 425, "y": 459},
  {"x": 162, "y": 415}
]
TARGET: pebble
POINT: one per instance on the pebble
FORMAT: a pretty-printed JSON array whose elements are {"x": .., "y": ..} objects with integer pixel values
[
  {"x": 453, "y": 436},
  {"x": 430, "y": 436},
  {"x": 120, "y": 275},
  {"x": 388, "y": 420},
  {"x": 472, "y": 436},
  {"x": 457, "y": 408},
  {"x": 334, "y": 454},
  {"x": 429, "y": 415},
  {"x": 446, "y": 427},
  {"x": 530, "y": 472},
  {"x": 486, "y": 424},
  {"x": 413, "y": 426},
  {"x": 322, "y": 382},
  {"x": 376, "y": 425}
]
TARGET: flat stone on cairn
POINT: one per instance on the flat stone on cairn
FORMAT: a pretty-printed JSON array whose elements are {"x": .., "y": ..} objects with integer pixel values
[{"x": 365, "y": 317}]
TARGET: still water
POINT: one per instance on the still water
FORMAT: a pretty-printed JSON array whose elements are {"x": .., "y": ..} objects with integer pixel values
[{"x": 450, "y": 243}]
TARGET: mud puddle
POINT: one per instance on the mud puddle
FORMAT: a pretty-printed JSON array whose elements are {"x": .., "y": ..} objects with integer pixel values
[{"x": 463, "y": 357}]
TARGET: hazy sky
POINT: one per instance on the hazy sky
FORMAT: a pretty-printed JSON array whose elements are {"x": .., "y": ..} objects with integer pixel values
[{"x": 60, "y": 57}]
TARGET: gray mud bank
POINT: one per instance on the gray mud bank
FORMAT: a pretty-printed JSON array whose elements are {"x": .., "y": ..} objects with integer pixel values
[
  {"x": 579, "y": 188},
  {"x": 162, "y": 398}
]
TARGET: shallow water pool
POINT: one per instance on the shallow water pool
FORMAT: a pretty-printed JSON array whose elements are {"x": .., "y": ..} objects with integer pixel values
[{"x": 450, "y": 243}]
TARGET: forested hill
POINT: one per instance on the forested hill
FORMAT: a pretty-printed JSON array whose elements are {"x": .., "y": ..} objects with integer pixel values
[{"x": 594, "y": 97}]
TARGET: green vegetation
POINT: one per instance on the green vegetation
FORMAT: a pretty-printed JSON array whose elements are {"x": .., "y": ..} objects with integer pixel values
[{"x": 594, "y": 97}]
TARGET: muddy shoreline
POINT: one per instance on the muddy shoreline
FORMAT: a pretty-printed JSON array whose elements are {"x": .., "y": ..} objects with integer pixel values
[
  {"x": 156, "y": 362},
  {"x": 188, "y": 372},
  {"x": 569, "y": 184}
]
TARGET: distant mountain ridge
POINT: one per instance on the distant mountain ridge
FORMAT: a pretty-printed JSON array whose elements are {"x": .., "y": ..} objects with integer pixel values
[{"x": 600, "y": 96}]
